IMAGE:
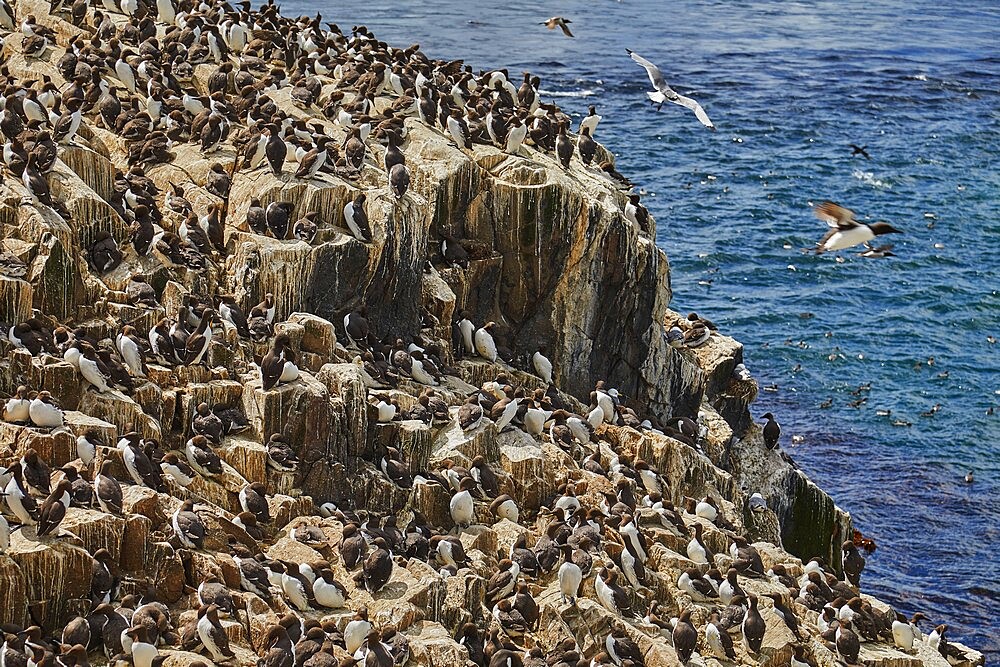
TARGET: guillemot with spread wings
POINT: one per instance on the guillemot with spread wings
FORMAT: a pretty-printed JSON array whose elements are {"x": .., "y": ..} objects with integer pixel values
[{"x": 846, "y": 231}]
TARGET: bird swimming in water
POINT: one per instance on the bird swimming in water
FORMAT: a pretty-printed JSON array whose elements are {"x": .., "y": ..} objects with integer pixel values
[
  {"x": 877, "y": 251},
  {"x": 665, "y": 93}
]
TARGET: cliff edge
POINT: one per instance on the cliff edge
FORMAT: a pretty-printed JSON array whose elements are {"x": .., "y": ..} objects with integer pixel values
[{"x": 254, "y": 338}]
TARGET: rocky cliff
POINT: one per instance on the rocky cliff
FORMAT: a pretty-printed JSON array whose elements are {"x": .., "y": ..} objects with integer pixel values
[{"x": 547, "y": 252}]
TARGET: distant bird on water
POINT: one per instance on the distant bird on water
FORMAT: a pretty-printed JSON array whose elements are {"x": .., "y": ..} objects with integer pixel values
[
  {"x": 878, "y": 251},
  {"x": 665, "y": 93},
  {"x": 846, "y": 231},
  {"x": 860, "y": 150},
  {"x": 558, "y": 22}
]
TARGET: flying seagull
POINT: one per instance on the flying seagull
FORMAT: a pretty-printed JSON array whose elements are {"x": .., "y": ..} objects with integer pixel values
[
  {"x": 860, "y": 150},
  {"x": 665, "y": 93},
  {"x": 845, "y": 230},
  {"x": 558, "y": 22}
]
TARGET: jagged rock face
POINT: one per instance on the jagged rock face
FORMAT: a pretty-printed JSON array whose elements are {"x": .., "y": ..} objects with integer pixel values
[{"x": 553, "y": 261}]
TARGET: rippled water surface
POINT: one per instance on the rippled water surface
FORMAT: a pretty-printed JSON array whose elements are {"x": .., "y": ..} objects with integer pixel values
[{"x": 789, "y": 86}]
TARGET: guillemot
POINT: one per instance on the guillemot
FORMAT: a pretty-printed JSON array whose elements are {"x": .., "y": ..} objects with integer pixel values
[{"x": 846, "y": 231}]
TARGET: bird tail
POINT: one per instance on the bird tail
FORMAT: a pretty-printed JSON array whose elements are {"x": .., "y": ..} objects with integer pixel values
[{"x": 656, "y": 96}]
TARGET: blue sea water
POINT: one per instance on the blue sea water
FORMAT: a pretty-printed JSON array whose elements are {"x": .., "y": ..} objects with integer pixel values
[{"x": 789, "y": 85}]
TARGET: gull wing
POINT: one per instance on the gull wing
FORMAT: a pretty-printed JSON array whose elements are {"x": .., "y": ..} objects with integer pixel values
[
  {"x": 655, "y": 75},
  {"x": 696, "y": 108},
  {"x": 835, "y": 215}
]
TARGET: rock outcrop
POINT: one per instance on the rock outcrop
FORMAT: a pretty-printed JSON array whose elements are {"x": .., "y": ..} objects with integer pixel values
[{"x": 550, "y": 257}]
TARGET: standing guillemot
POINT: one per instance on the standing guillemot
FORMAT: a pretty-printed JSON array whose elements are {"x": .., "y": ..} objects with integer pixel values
[
  {"x": 753, "y": 626},
  {"x": 90, "y": 368},
  {"x": 127, "y": 343},
  {"x": 848, "y": 644},
  {"x": 564, "y": 147},
  {"x": 483, "y": 474},
  {"x": 542, "y": 365},
  {"x": 685, "y": 637},
  {"x": 461, "y": 505},
  {"x": 253, "y": 499},
  {"x": 590, "y": 121},
  {"x": 143, "y": 652},
  {"x": 845, "y": 230},
  {"x": 570, "y": 576},
  {"x": 586, "y": 146},
  {"x": 198, "y": 342},
  {"x": 113, "y": 628},
  {"x": 107, "y": 490},
  {"x": 53, "y": 510},
  {"x": 138, "y": 465},
  {"x": 696, "y": 548},
  {"x": 35, "y": 473},
  {"x": 377, "y": 567},
  {"x": 275, "y": 151},
  {"x": 202, "y": 457},
  {"x": 854, "y": 563},
  {"x": 213, "y": 636},
  {"x": 633, "y": 538},
  {"x": 277, "y": 365},
  {"x": 611, "y": 595},
  {"x": 313, "y": 160},
  {"x": 277, "y": 216},
  {"x": 730, "y": 587},
  {"x": 328, "y": 591},
  {"x": 501, "y": 583},
  {"x": 459, "y": 130},
  {"x": 188, "y": 527},
  {"x": 772, "y": 431},
  {"x": 357, "y": 630},
  {"x": 356, "y": 326},
  {"x": 718, "y": 638},
  {"x": 253, "y": 575},
  {"x": 785, "y": 614},
  {"x": 665, "y": 93},
  {"x": 357, "y": 218},
  {"x": 399, "y": 180}
]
